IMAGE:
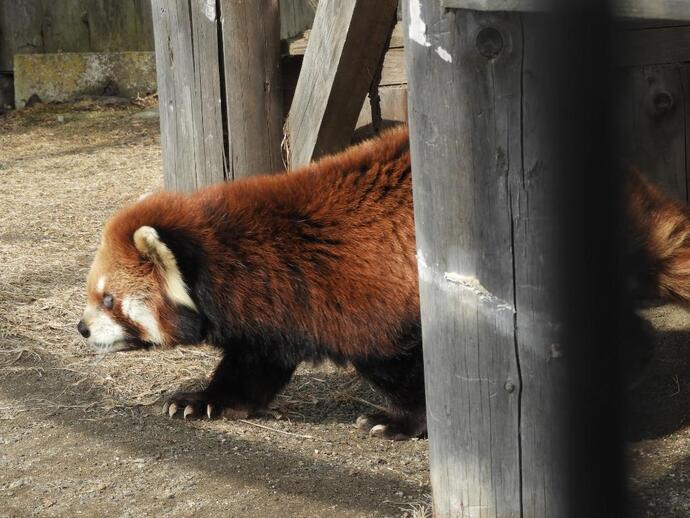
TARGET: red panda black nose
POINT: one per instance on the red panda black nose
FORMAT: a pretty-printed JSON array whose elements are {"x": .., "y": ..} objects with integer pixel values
[{"x": 83, "y": 330}]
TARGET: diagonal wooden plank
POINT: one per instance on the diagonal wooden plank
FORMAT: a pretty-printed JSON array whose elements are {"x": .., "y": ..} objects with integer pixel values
[{"x": 345, "y": 47}]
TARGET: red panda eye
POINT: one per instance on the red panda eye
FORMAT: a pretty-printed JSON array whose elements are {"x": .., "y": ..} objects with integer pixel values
[{"x": 108, "y": 301}]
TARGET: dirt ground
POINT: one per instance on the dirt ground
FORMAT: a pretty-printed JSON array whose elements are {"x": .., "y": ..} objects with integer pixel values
[{"x": 85, "y": 435}]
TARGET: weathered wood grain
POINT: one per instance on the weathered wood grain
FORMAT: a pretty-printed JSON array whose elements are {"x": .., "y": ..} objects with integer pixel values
[
  {"x": 465, "y": 145},
  {"x": 539, "y": 322},
  {"x": 297, "y": 46},
  {"x": 393, "y": 72},
  {"x": 346, "y": 44},
  {"x": 647, "y": 9},
  {"x": 253, "y": 86},
  {"x": 653, "y": 9},
  {"x": 211, "y": 163},
  {"x": 393, "y": 102},
  {"x": 296, "y": 16},
  {"x": 189, "y": 94},
  {"x": 516, "y": 211},
  {"x": 653, "y": 46},
  {"x": 653, "y": 123}
]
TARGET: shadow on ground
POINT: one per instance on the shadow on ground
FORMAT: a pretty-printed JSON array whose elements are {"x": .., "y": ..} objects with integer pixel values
[
  {"x": 660, "y": 404},
  {"x": 144, "y": 431}
]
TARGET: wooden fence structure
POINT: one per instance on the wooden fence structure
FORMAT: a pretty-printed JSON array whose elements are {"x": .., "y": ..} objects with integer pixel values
[
  {"x": 523, "y": 392},
  {"x": 40, "y": 26}
]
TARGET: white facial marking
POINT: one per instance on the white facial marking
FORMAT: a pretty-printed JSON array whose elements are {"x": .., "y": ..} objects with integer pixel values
[
  {"x": 105, "y": 333},
  {"x": 139, "y": 313},
  {"x": 100, "y": 285}
]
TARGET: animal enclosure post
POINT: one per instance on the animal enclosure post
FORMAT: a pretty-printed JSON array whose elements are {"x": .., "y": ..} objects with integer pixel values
[
  {"x": 517, "y": 210},
  {"x": 253, "y": 91},
  {"x": 218, "y": 66},
  {"x": 189, "y": 93}
]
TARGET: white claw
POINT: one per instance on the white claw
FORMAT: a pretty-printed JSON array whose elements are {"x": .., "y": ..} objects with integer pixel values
[
  {"x": 172, "y": 409},
  {"x": 188, "y": 410},
  {"x": 378, "y": 430},
  {"x": 209, "y": 411},
  {"x": 361, "y": 422}
]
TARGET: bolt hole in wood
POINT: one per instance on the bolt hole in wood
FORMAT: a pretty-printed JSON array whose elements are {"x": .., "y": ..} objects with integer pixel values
[{"x": 661, "y": 103}]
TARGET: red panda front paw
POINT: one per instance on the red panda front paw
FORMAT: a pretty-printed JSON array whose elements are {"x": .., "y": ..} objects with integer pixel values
[{"x": 197, "y": 405}]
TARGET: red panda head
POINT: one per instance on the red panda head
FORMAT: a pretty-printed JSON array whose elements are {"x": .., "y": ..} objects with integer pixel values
[{"x": 136, "y": 295}]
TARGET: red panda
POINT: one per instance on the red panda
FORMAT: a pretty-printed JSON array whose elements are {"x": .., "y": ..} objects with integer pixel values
[
  {"x": 275, "y": 270},
  {"x": 316, "y": 264}
]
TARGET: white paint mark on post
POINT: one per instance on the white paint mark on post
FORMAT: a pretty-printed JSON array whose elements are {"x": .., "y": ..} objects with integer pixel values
[
  {"x": 417, "y": 28},
  {"x": 444, "y": 54},
  {"x": 210, "y": 9},
  {"x": 472, "y": 284}
]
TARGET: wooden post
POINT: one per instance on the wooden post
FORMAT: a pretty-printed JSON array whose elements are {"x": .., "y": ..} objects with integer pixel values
[
  {"x": 253, "y": 92},
  {"x": 516, "y": 218},
  {"x": 189, "y": 92},
  {"x": 345, "y": 47},
  {"x": 219, "y": 89}
]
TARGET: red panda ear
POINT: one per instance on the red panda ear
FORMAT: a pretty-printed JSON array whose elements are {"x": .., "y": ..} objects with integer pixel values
[{"x": 149, "y": 244}]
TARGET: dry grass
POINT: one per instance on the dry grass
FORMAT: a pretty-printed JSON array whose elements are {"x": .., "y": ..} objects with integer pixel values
[{"x": 57, "y": 190}]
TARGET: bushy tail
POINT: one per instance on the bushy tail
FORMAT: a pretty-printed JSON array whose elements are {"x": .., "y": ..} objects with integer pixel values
[{"x": 660, "y": 227}]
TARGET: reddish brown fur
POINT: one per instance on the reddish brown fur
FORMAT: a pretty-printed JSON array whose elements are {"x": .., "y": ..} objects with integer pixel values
[
  {"x": 661, "y": 228},
  {"x": 357, "y": 297}
]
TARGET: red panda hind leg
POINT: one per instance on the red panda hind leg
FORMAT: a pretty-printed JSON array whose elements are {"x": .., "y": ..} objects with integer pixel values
[{"x": 401, "y": 380}]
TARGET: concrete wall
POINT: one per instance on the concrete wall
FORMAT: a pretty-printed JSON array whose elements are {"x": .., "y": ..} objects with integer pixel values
[{"x": 65, "y": 76}]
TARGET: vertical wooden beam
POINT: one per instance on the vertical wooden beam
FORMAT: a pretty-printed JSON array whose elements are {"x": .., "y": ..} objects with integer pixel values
[
  {"x": 465, "y": 143},
  {"x": 295, "y": 17},
  {"x": 516, "y": 207},
  {"x": 253, "y": 92},
  {"x": 345, "y": 47},
  {"x": 186, "y": 41}
]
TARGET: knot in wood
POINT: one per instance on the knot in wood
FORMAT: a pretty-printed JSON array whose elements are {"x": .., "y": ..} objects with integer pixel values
[
  {"x": 489, "y": 42},
  {"x": 662, "y": 103}
]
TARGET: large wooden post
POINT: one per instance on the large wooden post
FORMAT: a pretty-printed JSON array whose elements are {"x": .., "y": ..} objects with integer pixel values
[
  {"x": 516, "y": 207},
  {"x": 186, "y": 41},
  {"x": 219, "y": 89},
  {"x": 253, "y": 91}
]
